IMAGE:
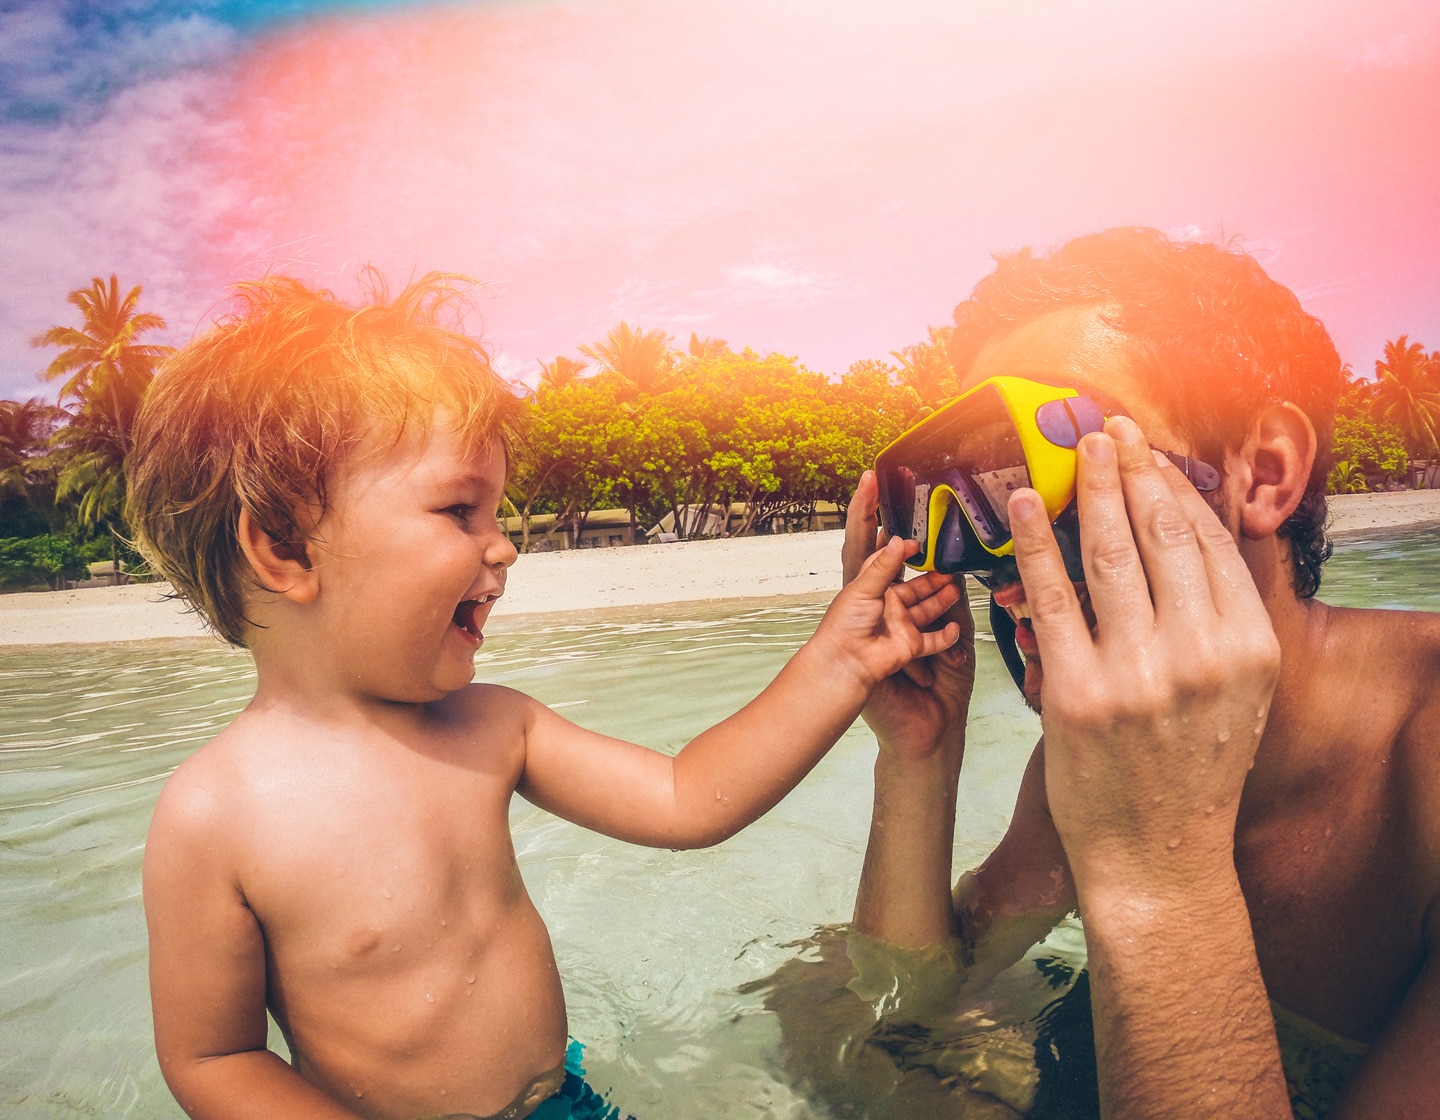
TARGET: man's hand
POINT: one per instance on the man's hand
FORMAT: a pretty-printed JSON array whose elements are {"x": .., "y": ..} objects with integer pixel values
[
  {"x": 1151, "y": 724},
  {"x": 924, "y": 705},
  {"x": 1151, "y": 721},
  {"x": 877, "y": 626}
]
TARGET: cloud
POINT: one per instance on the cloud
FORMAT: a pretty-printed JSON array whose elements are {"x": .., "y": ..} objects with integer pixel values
[
  {"x": 1402, "y": 49},
  {"x": 122, "y": 193},
  {"x": 819, "y": 178},
  {"x": 772, "y": 278},
  {"x": 64, "y": 61}
]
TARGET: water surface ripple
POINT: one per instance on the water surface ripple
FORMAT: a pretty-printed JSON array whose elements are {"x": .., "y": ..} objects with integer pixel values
[{"x": 653, "y": 945}]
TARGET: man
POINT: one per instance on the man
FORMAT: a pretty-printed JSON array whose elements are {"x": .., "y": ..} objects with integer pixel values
[{"x": 1237, "y": 785}]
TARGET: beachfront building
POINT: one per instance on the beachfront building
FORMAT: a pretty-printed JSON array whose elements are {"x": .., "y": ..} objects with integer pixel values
[{"x": 610, "y": 528}]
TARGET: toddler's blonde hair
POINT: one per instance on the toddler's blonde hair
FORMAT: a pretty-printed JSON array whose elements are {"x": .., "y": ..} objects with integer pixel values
[{"x": 258, "y": 412}]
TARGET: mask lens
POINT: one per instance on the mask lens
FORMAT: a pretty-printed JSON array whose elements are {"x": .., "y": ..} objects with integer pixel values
[
  {"x": 897, "y": 501},
  {"x": 975, "y": 451},
  {"x": 984, "y": 462}
]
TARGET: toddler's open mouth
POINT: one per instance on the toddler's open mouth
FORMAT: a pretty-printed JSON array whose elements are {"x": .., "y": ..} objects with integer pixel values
[{"x": 466, "y": 616}]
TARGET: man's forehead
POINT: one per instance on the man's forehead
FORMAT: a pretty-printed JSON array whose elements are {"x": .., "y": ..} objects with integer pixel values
[{"x": 1073, "y": 346}]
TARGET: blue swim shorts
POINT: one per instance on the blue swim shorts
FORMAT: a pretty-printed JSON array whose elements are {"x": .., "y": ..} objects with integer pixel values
[{"x": 575, "y": 1099}]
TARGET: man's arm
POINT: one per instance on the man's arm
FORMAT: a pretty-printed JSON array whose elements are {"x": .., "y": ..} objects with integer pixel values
[
  {"x": 736, "y": 771},
  {"x": 905, "y": 899},
  {"x": 995, "y": 912},
  {"x": 1022, "y": 889},
  {"x": 207, "y": 973},
  {"x": 1151, "y": 723}
]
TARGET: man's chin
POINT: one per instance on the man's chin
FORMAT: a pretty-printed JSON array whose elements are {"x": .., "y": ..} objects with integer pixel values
[{"x": 1034, "y": 676}]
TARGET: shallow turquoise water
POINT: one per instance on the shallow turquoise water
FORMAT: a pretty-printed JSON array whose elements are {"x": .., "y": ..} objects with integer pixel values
[{"x": 653, "y": 945}]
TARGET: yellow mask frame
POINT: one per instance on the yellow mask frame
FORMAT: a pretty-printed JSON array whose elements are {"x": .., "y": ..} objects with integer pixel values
[{"x": 1049, "y": 465}]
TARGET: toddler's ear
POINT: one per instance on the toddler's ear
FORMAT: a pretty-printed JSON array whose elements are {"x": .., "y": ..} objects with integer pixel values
[{"x": 279, "y": 566}]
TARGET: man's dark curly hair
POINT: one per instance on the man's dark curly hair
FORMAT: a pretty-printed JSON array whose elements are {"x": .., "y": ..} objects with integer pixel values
[{"x": 1211, "y": 332}]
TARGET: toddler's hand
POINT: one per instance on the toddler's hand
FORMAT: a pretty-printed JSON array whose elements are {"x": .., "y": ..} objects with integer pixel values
[
  {"x": 921, "y": 708},
  {"x": 876, "y": 626}
]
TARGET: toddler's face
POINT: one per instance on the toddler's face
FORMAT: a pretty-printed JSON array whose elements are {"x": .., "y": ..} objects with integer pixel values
[{"x": 411, "y": 557}]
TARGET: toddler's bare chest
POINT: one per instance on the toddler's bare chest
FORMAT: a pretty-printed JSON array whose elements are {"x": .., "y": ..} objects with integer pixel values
[{"x": 372, "y": 875}]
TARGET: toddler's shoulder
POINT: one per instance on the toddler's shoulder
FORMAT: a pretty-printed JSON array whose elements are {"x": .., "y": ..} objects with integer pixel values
[
  {"x": 493, "y": 712},
  {"x": 488, "y": 724},
  {"x": 207, "y": 783}
]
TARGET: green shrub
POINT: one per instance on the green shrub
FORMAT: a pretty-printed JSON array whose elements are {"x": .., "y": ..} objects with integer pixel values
[
  {"x": 1374, "y": 448},
  {"x": 1346, "y": 478},
  {"x": 46, "y": 560}
]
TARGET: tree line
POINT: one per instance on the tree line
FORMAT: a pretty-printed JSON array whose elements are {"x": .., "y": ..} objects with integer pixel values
[
  {"x": 634, "y": 423},
  {"x": 1381, "y": 425}
]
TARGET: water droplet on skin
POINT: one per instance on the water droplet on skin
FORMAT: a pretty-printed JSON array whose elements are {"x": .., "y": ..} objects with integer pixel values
[
  {"x": 1173, "y": 843},
  {"x": 1328, "y": 830},
  {"x": 396, "y": 949},
  {"x": 359, "y": 1092},
  {"x": 1209, "y": 809},
  {"x": 1224, "y": 735},
  {"x": 1165, "y": 722},
  {"x": 1159, "y": 797},
  {"x": 469, "y": 979},
  {"x": 443, "y": 922},
  {"x": 386, "y": 892},
  {"x": 429, "y": 998},
  {"x": 1304, "y": 847},
  {"x": 717, "y": 796}
]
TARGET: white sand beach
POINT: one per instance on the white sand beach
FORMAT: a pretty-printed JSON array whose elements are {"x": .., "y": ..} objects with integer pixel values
[{"x": 743, "y": 568}]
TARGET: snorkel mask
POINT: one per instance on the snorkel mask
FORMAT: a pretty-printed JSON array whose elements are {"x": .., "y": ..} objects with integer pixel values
[{"x": 947, "y": 482}]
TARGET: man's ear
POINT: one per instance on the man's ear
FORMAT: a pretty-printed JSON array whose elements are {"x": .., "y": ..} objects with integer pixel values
[
  {"x": 281, "y": 567},
  {"x": 1278, "y": 455}
]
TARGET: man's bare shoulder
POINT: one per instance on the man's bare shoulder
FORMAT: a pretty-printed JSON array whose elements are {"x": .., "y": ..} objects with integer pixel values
[{"x": 1398, "y": 653}]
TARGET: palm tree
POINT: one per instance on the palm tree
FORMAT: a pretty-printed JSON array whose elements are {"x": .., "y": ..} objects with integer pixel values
[
  {"x": 1407, "y": 394},
  {"x": 107, "y": 371},
  {"x": 559, "y": 373},
  {"x": 107, "y": 368},
  {"x": 707, "y": 347},
  {"x": 926, "y": 368},
  {"x": 26, "y": 428},
  {"x": 640, "y": 360}
]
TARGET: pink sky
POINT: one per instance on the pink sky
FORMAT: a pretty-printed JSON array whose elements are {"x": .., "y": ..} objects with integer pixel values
[{"x": 810, "y": 177}]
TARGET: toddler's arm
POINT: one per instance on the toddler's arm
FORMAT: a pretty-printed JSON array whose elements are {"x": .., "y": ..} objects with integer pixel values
[
  {"x": 207, "y": 973},
  {"x": 730, "y": 775}
]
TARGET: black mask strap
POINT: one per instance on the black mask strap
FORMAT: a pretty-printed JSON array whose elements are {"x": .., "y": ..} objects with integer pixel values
[{"x": 1002, "y": 626}]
